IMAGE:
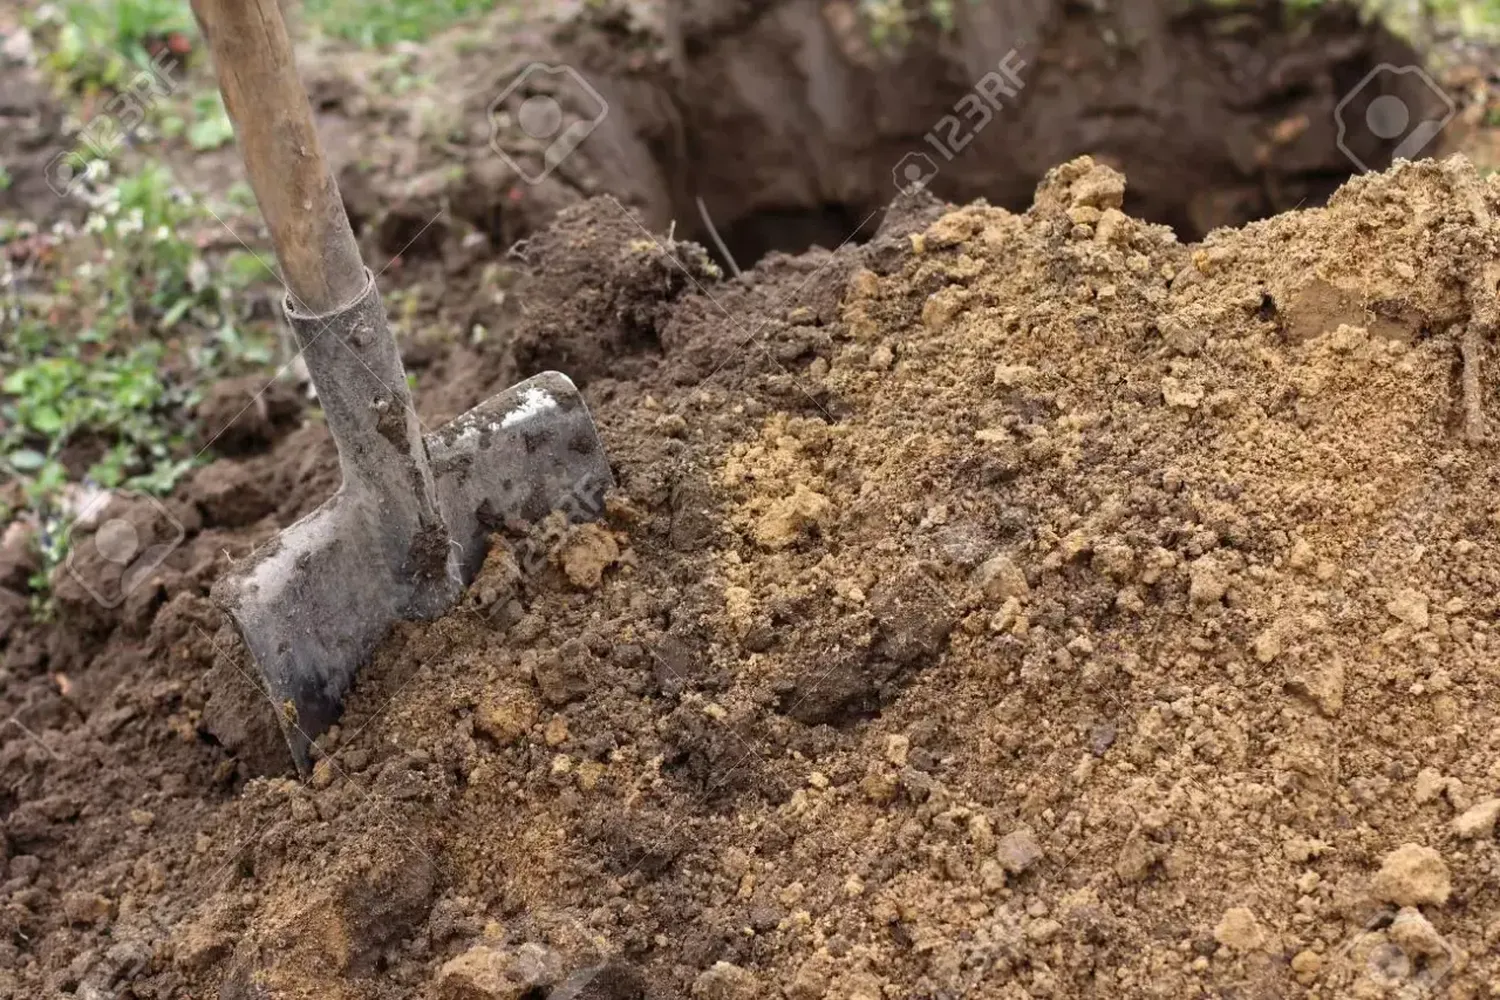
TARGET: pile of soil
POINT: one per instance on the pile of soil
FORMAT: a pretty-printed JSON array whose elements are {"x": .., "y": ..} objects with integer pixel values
[{"x": 1014, "y": 605}]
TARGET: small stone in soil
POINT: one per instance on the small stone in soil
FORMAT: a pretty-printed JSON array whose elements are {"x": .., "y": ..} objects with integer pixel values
[{"x": 1019, "y": 850}]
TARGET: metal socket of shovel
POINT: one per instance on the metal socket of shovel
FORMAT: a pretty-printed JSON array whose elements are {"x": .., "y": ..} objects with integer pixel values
[{"x": 408, "y": 527}]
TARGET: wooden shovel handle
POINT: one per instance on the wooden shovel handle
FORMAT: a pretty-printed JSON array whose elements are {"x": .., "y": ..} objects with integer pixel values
[{"x": 298, "y": 196}]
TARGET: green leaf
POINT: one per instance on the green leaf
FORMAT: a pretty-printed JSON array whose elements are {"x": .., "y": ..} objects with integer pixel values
[
  {"x": 46, "y": 419},
  {"x": 178, "y": 310},
  {"x": 210, "y": 133},
  {"x": 26, "y": 460}
]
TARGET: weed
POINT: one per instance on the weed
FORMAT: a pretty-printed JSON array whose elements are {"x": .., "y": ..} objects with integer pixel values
[
  {"x": 109, "y": 329},
  {"x": 379, "y": 23},
  {"x": 209, "y": 127},
  {"x": 890, "y": 23},
  {"x": 98, "y": 44}
]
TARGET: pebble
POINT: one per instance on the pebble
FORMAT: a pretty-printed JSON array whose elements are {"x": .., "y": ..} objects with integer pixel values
[
  {"x": 1102, "y": 737},
  {"x": 1136, "y": 857},
  {"x": 504, "y": 720},
  {"x": 1302, "y": 556},
  {"x": 1019, "y": 850},
  {"x": 787, "y": 519},
  {"x": 586, "y": 553},
  {"x": 1323, "y": 686},
  {"x": 1011, "y": 376},
  {"x": 323, "y": 773},
  {"x": 896, "y": 748},
  {"x": 1301, "y": 849},
  {"x": 1180, "y": 394},
  {"x": 1429, "y": 785},
  {"x": 1412, "y": 875},
  {"x": 485, "y": 972},
  {"x": 1209, "y": 581},
  {"x": 1043, "y": 931},
  {"x": 1415, "y": 935},
  {"x": 1267, "y": 645},
  {"x": 1000, "y": 578},
  {"x": 672, "y": 425},
  {"x": 1307, "y": 966}
]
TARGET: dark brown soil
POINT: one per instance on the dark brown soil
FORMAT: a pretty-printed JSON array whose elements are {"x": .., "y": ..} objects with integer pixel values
[
  {"x": 30, "y": 125},
  {"x": 789, "y": 123}
]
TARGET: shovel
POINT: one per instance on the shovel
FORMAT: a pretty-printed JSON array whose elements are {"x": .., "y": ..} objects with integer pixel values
[{"x": 408, "y": 528}]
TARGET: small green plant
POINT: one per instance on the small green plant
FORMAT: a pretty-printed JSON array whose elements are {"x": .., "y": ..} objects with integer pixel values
[
  {"x": 5, "y": 180},
  {"x": 379, "y": 23},
  {"x": 118, "y": 396},
  {"x": 211, "y": 126},
  {"x": 100, "y": 44},
  {"x": 208, "y": 126},
  {"x": 891, "y": 22},
  {"x": 109, "y": 337}
]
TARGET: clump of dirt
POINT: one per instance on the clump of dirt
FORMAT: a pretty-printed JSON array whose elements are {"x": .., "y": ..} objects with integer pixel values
[{"x": 1017, "y": 604}]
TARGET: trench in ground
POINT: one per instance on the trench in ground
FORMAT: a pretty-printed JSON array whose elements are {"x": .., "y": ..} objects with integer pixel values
[{"x": 792, "y": 135}]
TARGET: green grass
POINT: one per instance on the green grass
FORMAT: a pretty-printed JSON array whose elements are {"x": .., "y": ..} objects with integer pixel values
[
  {"x": 205, "y": 124},
  {"x": 890, "y": 23},
  {"x": 379, "y": 23},
  {"x": 110, "y": 330},
  {"x": 98, "y": 44},
  {"x": 102, "y": 44}
]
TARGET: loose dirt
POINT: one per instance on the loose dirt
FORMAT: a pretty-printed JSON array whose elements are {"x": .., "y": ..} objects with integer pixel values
[{"x": 1016, "y": 604}]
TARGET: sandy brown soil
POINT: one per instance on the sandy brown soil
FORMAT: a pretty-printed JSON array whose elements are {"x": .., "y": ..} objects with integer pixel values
[{"x": 1014, "y": 605}]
